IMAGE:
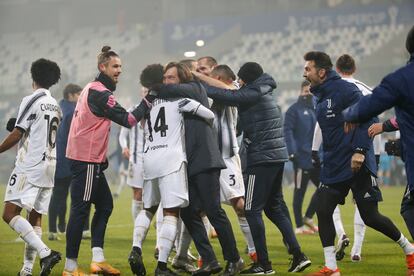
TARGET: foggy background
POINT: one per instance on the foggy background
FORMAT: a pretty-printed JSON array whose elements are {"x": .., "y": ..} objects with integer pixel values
[{"x": 274, "y": 33}]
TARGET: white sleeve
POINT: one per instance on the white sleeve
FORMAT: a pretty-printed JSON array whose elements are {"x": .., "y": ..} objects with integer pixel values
[
  {"x": 123, "y": 137},
  {"x": 317, "y": 138},
  {"x": 196, "y": 108},
  {"x": 377, "y": 144}
]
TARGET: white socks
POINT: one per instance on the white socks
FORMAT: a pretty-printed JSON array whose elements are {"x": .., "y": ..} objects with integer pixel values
[
  {"x": 97, "y": 255},
  {"x": 359, "y": 233},
  {"x": 167, "y": 237},
  {"x": 406, "y": 245},
  {"x": 142, "y": 223},
  {"x": 339, "y": 227},
  {"x": 244, "y": 226},
  {"x": 71, "y": 264},
  {"x": 30, "y": 254},
  {"x": 136, "y": 207},
  {"x": 27, "y": 233},
  {"x": 207, "y": 225},
  {"x": 160, "y": 217},
  {"x": 185, "y": 241},
  {"x": 330, "y": 260}
]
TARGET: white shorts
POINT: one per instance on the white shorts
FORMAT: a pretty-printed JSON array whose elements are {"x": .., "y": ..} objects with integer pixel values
[
  {"x": 21, "y": 193},
  {"x": 231, "y": 180},
  {"x": 135, "y": 175},
  {"x": 169, "y": 191}
]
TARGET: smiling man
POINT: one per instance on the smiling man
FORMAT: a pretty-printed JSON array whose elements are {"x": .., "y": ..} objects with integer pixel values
[{"x": 87, "y": 148}]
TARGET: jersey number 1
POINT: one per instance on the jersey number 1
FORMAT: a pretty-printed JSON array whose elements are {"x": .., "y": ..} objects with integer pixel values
[{"x": 52, "y": 125}]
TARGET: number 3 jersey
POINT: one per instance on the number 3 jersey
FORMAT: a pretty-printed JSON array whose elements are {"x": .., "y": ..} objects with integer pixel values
[
  {"x": 39, "y": 117},
  {"x": 164, "y": 149}
]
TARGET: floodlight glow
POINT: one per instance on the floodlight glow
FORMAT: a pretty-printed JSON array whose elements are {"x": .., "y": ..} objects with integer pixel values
[
  {"x": 190, "y": 54},
  {"x": 200, "y": 43}
]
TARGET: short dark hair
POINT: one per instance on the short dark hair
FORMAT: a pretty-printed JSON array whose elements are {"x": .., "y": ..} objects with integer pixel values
[
  {"x": 183, "y": 71},
  {"x": 151, "y": 75},
  {"x": 321, "y": 59},
  {"x": 224, "y": 71},
  {"x": 45, "y": 73},
  {"x": 346, "y": 64},
  {"x": 210, "y": 60},
  {"x": 188, "y": 63},
  {"x": 105, "y": 55},
  {"x": 71, "y": 88},
  {"x": 250, "y": 71},
  {"x": 304, "y": 83},
  {"x": 409, "y": 43}
]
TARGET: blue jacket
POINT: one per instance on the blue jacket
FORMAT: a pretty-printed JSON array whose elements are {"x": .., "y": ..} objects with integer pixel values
[
  {"x": 260, "y": 119},
  {"x": 62, "y": 163},
  {"x": 299, "y": 125},
  {"x": 395, "y": 90},
  {"x": 334, "y": 95}
]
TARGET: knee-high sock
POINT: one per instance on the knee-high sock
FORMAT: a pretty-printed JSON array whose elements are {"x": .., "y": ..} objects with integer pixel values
[
  {"x": 30, "y": 253},
  {"x": 207, "y": 225},
  {"x": 136, "y": 207},
  {"x": 359, "y": 233},
  {"x": 339, "y": 227},
  {"x": 330, "y": 260},
  {"x": 27, "y": 233},
  {"x": 244, "y": 226},
  {"x": 167, "y": 237},
  {"x": 185, "y": 241},
  {"x": 160, "y": 218},
  {"x": 142, "y": 224}
]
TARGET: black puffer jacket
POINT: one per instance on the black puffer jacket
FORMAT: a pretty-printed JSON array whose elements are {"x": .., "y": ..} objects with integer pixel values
[{"x": 260, "y": 119}]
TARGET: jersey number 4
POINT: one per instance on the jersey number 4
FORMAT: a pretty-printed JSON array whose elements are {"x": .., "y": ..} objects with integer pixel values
[{"x": 159, "y": 125}]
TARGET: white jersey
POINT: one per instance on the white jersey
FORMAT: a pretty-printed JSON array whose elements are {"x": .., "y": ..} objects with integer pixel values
[
  {"x": 366, "y": 90},
  {"x": 135, "y": 136},
  {"x": 164, "y": 149},
  {"x": 225, "y": 122},
  {"x": 39, "y": 117}
]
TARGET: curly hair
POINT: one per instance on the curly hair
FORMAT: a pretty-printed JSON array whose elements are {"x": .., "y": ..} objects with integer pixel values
[
  {"x": 45, "y": 73},
  {"x": 151, "y": 75}
]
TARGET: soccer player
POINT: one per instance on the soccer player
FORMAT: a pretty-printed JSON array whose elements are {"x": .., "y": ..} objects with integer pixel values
[
  {"x": 163, "y": 185},
  {"x": 231, "y": 179},
  {"x": 299, "y": 125},
  {"x": 87, "y": 148},
  {"x": 349, "y": 161},
  {"x": 31, "y": 182}
]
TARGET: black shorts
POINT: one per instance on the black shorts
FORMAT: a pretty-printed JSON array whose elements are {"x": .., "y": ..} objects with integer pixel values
[{"x": 363, "y": 185}]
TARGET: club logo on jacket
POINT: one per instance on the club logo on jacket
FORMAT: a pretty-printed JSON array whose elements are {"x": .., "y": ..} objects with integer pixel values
[{"x": 329, "y": 111}]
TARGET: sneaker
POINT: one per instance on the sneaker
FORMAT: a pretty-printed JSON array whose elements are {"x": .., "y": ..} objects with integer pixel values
[
  {"x": 410, "y": 264},
  {"x": 103, "y": 268},
  {"x": 258, "y": 269},
  {"x": 48, "y": 262},
  {"x": 303, "y": 231},
  {"x": 184, "y": 264},
  {"x": 136, "y": 263},
  {"x": 53, "y": 236},
  {"x": 233, "y": 268},
  {"x": 167, "y": 272},
  {"x": 299, "y": 263},
  {"x": 253, "y": 257},
  {"x": 340, "y": 248},
  {"x": 309, "y": 223},
  {"x": 191, "y": 256},
  {"x": 355, "y": 258},
  {"x": 77, "y": 272},
  {"x": 22, "y": 273},
  {"x": 86, "y": 235},
  {"x": 199, "y": 262},
  {"x": 326, "y": 272},
  {"x": 213, "y": 267}
]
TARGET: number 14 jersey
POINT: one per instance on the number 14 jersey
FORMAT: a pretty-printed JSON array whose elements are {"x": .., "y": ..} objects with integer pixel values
[
  {"x": 164, "y": 149},
  {"x": 39, "y": 117}
]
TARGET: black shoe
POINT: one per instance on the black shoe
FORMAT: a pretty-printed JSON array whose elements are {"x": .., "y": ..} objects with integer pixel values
[
  {"x": 167, "y": 272},
  {"x": 156, "y": 253},
  {"x": 233, "y": 268},
  {"x": 258, "y": 269},
  {"x": 340, "y": 249},
  {"x": 18, "y": 274},
  {"x": 208, "y": 269},
  {"x": 299, "y": 263},
  {"x": 48, "y": 262},
  {"x": 136, "y": 263}
]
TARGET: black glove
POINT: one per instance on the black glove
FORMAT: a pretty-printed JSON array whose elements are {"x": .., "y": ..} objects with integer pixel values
[
  {"x": 316, "y": 161},
  {"x": 11, "y": 123}
]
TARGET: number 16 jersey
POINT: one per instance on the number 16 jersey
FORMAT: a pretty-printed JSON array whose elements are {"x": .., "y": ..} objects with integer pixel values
[
  {"x": 39, "y": 117},
  {"x": 164, "y": 149}
]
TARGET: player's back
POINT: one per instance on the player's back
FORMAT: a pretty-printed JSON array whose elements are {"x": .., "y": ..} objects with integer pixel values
[
  {"x": 164, "y": 149},
  {"x": 39, "y": 117}
]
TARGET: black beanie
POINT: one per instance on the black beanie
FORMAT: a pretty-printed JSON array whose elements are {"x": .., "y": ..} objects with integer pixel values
[
  {"x": 409, "y": 43},
  {"x": 250, "y": 71}
]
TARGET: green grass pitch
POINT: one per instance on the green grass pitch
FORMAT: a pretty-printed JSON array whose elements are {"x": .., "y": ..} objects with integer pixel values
[{"x": 380, "y": 256}]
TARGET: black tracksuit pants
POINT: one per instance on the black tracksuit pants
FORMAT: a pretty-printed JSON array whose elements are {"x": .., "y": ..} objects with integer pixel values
[{"x": 88, "y": 186}]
